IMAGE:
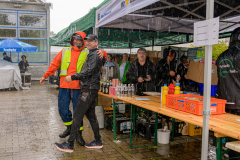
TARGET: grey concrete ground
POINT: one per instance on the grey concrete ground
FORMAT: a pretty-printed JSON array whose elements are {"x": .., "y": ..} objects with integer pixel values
[{"x": 30, "y": 124}]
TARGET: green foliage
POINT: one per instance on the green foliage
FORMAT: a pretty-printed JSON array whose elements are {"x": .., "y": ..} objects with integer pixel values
[
  {"x": 4, "y": 20},
  {"x": 8, "y": 32},
  {"x": 216, "y": 49},
  {"x": 29, "y": 20}
]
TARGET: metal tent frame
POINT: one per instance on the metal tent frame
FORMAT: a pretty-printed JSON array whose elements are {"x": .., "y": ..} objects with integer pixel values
[
  {"x": 165, "y": 16},
  {"x": 181, "y": 15}
]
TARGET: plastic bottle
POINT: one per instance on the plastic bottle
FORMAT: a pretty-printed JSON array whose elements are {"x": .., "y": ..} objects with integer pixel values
[
  {"x": 103, "y": 86},
  {"x": 164, "y": 93},
  {"x": 129, "y": 91},
  {"x": 100, "y": 90},
  {"x": 107, "y": 88},
  {"x": 171, "y": 88},
  {"x": 117, "y": 91},
  {"x": 178, "y": 78},
  {"x": 125, "y": 90},
  {"x": 110, "y": 83},
  {"x": 177, "y": 89},
  {"x": 133, "y": 90},
  {"x": 122, "y": 90}
]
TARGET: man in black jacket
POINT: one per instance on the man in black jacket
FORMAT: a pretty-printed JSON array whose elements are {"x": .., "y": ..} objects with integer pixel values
[
  {"x": 142, "y": 73},
  {"x": 165, "y": 68},
  {"x": 90, "y": 81}
]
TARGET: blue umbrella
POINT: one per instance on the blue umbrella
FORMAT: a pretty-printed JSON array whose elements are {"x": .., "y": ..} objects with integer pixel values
[{"x": 13, "y": 45}]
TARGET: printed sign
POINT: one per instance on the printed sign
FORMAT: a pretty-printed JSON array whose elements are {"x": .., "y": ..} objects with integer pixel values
[
  {"x": 206, "y": 32},
  {"x": 119, "y": 8}
]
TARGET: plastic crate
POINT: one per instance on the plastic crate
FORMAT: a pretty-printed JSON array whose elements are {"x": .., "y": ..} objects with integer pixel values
[
  {"x": 146, "y": 129},
  {"x": 181, "y": 102},
  {"x": 213, "y": 89},
  {"x": 194, "y": 130}
]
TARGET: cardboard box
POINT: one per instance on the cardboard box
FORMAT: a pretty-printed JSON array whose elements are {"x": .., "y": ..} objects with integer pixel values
[
  {"x": 153, "y": 60},
  {"x": 154, "y": 54},
  {"x": 196, "y": 72}
]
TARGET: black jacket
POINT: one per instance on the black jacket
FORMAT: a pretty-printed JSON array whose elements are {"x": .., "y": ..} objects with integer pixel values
[
  {"x": 90, "y": 74},
  {"x": 23, "y": 66},
  {"x": 163, "y": 69},
  {"x": 182, "y": 71},
  {"x": 132, "y": 76},
  {"x": 228, "y": 69}
]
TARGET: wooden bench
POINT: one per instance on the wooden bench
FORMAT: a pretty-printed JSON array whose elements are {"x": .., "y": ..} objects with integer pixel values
[{"x": 235, "y": 145}]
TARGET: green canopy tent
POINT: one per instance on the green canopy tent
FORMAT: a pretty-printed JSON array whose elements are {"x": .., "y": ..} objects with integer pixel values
[{"x": 85, "y": 24}]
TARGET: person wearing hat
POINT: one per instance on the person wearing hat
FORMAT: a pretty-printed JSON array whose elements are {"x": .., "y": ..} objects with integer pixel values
[
  {"x": 23, "y": 64},
  {"x": 70, "y": 60},
  {"x": 90, "y": 78}
]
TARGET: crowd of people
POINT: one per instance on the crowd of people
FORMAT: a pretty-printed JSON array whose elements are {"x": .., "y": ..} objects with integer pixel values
[
  {"x": 148, "y": 77},
  {"x": 80, "y": 69}
]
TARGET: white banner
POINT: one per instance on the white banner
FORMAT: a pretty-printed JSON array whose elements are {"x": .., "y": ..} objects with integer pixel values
[{"x": 119, "y": 8}]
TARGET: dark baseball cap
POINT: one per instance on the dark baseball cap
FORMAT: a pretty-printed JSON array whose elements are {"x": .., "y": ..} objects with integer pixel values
[
  {"x": 77, "y": 36},
  {"x": 91, "y": 37}
]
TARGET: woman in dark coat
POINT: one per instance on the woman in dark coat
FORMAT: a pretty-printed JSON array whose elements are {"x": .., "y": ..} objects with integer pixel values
[{"x": 165, "y": 68}]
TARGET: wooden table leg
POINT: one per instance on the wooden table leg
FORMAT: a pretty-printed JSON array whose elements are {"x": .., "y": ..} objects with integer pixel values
[
  {"x": 156, "y": 128},
  {"x": 219, "y": 145},
  {"x": 173, "y": 129},
  {"x": 114, "y": 119},
  {"x": 219, "y": 148}
]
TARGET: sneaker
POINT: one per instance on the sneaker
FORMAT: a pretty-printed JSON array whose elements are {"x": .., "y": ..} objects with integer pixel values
[
  {"x": 65, "y": 147},
  {"x": 94, "y": 144}
]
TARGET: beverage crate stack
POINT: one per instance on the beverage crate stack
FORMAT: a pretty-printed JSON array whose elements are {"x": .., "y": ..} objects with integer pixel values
[{"x": 194, "y": 104}]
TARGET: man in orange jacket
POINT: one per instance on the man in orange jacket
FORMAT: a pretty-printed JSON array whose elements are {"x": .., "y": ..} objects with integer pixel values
[{"x": 71, "y": 60}]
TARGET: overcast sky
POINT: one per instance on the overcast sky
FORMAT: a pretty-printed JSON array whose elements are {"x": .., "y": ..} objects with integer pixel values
[{"x": 66, "y": 11}]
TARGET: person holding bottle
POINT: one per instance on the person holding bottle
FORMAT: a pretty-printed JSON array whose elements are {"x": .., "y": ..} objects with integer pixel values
[
  {"x": 141, "y": 73},
  {"x": 182, "y": 71}
]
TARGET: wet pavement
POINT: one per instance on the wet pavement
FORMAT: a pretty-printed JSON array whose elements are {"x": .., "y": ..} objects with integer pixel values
[{"x": 30, "y": 125}]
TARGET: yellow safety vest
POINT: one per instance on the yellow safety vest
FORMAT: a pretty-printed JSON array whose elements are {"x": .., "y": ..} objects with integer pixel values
[{"x": 66, "y": 60}]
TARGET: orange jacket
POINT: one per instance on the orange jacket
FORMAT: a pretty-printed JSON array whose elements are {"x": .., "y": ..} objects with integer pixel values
[{"x": 72, "y": 67}]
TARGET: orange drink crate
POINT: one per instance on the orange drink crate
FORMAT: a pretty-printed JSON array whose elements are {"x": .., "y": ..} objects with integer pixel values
[{"x": 194, "y": 104}]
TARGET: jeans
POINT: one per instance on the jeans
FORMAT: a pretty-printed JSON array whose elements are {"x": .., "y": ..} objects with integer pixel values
[
  {"x": 64, "y": 97},
  {"x": 85, "y": 105}
]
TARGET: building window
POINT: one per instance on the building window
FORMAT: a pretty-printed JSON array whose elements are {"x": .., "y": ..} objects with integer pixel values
[
  {"x": 27, "y": 33},
  {"x": 8, "y": 19},
  {"x": 41, "y": 54},
  {"x": 38, "y": 21},
  {"x": 7, "y": 33}
]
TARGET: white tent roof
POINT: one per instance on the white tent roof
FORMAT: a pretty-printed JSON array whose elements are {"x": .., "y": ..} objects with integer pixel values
[{"x": 151, "y": 15}]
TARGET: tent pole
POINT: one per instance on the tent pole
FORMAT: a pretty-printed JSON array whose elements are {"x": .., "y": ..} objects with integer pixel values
[
  {"x": 152, "y": 43},
  {"x": 207, "y": 87},
  {"x": 48, "y": 35},
  {"x": 10, "y": 57}
]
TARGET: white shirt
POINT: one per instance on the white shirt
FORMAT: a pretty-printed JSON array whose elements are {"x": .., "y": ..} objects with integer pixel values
[
  {"x": 109, "y": 64},
  {"x": 122, "y": 67}
]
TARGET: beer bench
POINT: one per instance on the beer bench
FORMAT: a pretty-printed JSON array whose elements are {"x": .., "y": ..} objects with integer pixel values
[{"x": 235, "y": 145}]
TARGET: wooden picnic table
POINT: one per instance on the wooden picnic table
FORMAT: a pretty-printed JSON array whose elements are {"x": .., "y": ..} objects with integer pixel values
[
  {"x": 154, "y": 94},
  {"x": 223, "y": 125}
]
